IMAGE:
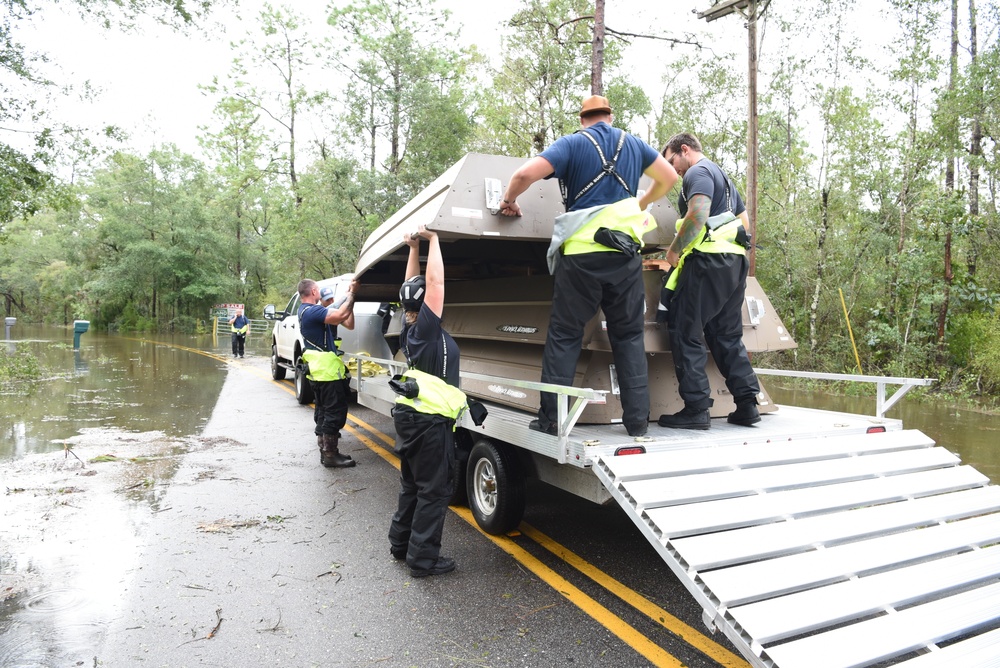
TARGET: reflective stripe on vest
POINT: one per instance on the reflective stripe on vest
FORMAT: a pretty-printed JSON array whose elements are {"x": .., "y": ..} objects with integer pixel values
[
  {"x": 623, "y": 216},
  {"x": 720, "y": 240},
  {"x": 324, "y": 366},
  {"x": 436, "y": 396}
]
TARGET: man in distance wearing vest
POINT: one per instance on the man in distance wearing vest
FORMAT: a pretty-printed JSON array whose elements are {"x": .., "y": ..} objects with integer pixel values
[
  {"x": 428, "y": 405},
  {"x": 594, "y": 255},
  {"x": 239, "y": 325},
  {"x": 706, "y": 289},
  {"x": 327, "y": 372}
]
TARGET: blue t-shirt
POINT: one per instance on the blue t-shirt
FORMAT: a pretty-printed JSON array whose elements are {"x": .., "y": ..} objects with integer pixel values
[
  {"x": 317, "y": 334},
  {"x": 576, "y": 163},
  {"x": 429, "y": 348},
  {"x": 240, "y": 322},
  {"x": 707, "y": 178}
]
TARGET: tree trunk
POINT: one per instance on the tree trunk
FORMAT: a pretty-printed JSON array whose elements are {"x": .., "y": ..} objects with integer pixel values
[
  {"x": 975, "y": 144},
  {"x": 949, "y": 185},
  {"x": 820, "y": 269},
  {"x": 597, "y": 57}
]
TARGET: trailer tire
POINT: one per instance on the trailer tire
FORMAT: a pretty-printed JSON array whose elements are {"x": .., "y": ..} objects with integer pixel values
[
  {"x": 495, "y": 486},
  {"x": 277, "y": 371},
  {"x": 303, "y": 388},
  {"x": 459, "y": 491}
]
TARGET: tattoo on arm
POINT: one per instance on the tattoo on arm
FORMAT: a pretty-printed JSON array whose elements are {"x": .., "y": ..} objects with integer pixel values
[{"x": 694, "y": 221}]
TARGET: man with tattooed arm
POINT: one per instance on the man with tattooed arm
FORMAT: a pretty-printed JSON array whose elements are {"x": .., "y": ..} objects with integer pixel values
[{"x": 704, "y": 293}]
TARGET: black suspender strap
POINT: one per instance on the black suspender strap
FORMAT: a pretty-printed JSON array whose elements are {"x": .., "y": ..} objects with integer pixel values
[
  {"x": 725, "y": 179},
  {"x": 607, "y": 167},
  {"x": 327, "y": 334}
]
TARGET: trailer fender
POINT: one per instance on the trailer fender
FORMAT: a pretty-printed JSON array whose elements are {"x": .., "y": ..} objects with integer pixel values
[{"x": 495, "y": 486}]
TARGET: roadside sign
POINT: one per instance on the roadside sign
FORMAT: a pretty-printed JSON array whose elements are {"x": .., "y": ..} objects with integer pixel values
[{"x": 225, "y": 311}]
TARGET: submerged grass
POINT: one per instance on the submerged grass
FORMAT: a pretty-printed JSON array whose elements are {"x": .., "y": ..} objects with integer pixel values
[{"x": 18, "y": 366}]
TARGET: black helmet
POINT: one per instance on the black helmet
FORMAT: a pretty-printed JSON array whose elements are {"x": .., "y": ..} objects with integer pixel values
[{"x": 412, "y": 293}]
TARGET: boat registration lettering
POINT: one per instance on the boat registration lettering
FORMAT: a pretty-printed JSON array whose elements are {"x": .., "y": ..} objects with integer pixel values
[
  {"x": 517, "y": 329},
  {"x": 507, "y": 392}
]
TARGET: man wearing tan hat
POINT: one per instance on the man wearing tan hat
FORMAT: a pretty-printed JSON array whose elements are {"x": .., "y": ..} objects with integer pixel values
[{"x": 594, "y": 255}]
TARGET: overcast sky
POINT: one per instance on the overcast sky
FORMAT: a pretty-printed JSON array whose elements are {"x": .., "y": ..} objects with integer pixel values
[{"x": 148, "y": 81}]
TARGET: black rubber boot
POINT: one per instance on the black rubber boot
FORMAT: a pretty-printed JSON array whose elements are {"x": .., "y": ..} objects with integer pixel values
[
  {"x": 441, "y": 566},
  {"x": 746, "y": 414},
  {"x": 638, "y": 429},
  {"x": 545, "y": 428},
  {"x": 687, "y": 418},
  {"x": 330, "y": 456}
]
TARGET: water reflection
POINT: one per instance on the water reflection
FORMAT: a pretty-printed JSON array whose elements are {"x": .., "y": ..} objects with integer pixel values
[
  {"x": 972, "y": 435},
  {"x": 127, "y": 409},
  {"x": 113, "y": 382}
]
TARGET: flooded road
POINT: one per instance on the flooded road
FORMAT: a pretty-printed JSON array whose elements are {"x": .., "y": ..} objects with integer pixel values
[
  {"x": 85, "y": 455},
  {"x": 129, "y": 409},
  {"x": 131, "y": 383}
]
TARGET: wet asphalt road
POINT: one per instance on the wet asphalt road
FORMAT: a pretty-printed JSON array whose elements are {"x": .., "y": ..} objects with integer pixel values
[{"x": 261, "y": 557}]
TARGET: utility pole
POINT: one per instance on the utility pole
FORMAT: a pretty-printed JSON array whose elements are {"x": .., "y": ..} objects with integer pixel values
[{"x": 751, "y": 10}]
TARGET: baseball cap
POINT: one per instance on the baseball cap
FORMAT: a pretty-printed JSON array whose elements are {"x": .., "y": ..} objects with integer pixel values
[
  {"x": 326, "y": 293},
  {"x": 595, "y": 104}
]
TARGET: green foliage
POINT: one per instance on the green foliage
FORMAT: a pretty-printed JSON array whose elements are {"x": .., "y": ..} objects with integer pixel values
[
  {"x": 852, "y": 193},
  {"x": 28, "y": 140},
  {"x": 18, "y": 366},
  {"x": 156, "y": 252},
  {"x": 545, "y": 74},
  {"x": 407, "y": 88},
  {"x": 974, "y": 343}
]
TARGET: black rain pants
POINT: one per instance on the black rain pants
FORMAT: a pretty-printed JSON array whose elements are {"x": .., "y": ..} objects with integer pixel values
[
  {"x": 584, "y": 283},
  {"x": 707, "y": 309},
  {"x": 425, "y": 444}
]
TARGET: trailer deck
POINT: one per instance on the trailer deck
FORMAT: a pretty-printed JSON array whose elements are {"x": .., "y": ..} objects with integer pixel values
[
  {"x": 844, "y": 550},
  {"x": 812, "y": 539}
]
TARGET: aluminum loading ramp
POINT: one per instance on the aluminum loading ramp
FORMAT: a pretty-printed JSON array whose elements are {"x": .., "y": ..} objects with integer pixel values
[{"x": 852, "y": 550}]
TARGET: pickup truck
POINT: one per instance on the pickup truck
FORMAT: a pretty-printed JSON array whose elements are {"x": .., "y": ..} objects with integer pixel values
[{"x": 287, "y": 343}]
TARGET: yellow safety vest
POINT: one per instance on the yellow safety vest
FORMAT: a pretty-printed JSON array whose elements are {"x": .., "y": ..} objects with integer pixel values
[
  {"x": 624, "y": 216},
  {"x": 720, "y": 240},
  {"x": 436, "y": 396},
  {"x": 241, "y": 330},
  {"x": 324, "y": 366}
]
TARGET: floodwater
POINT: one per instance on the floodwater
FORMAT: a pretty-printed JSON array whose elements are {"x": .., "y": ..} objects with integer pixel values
[
  {"x": 85, "y": 455},
  {"x": 133, "y": 383},
  {"x": 972, "y": 435},
  {"x": 87, "y": 451}
]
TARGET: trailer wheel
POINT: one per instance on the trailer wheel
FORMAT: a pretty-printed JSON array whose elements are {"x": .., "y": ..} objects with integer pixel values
[
  {"x": 303, "y": 389},
  {"x": 277, "y": 371},
  {"x": 496, "y": 487},
  {"x": 459, "y": 491}
]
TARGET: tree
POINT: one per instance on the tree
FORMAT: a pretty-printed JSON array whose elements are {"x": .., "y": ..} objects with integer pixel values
[
  {"x": 545, "y": 69},
  {"x": 247, "y": 177},
  {"x": 286, "y": 52},
  {"x": 155, "y": 255},
  {"x": 28, "y": 141},
  {"x": 406, "y": 92}
]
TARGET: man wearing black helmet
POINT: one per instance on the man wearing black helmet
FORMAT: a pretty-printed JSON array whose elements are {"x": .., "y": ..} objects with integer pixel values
[{"x": 424, "y": 416}]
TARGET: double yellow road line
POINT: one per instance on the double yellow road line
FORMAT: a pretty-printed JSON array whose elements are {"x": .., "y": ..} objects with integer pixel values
[
  {"x": 609, "y": 620},
  {"x": 628, "y": 634}
]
